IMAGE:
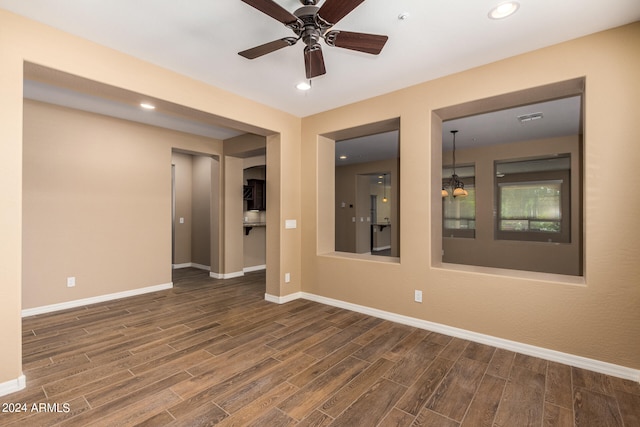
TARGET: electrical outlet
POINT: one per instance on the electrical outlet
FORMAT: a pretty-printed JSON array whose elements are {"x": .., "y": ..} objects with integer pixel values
[
  {"x": 71, "y": 282},
  {"x": 417, "y": 296},
  {"x": 287, "y": 277}
]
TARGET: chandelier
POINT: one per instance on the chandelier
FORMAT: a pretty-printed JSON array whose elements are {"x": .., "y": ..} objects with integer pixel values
[{"x": 455, "y": 185}]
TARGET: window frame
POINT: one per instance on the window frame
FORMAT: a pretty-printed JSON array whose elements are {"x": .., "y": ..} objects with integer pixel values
[
  {"x": 469, "y": 233},
  {"x": 564, "y": 177}
]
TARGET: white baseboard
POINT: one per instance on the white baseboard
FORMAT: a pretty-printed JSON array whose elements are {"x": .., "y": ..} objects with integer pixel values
[
  {"x": 254, "y": 268},
  {"x": 283, "y": 300},
  {"x": 190, "y": 264},
  {"x": 226, "y": 275},
  {"x": 381, "y": 248},
  {"x": 93, "y": 300},
  {"x": 12, "y": 386},
  {"x": 179, "y": 266},
  {"x": 530, "y": 350}
]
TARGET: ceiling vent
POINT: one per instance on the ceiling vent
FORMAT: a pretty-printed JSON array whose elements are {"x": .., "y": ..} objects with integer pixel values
[{"x": 529, "y": 117}]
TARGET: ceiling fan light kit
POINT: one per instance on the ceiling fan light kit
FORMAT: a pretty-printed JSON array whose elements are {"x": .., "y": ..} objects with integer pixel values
[{"x": 312, "y": 24}]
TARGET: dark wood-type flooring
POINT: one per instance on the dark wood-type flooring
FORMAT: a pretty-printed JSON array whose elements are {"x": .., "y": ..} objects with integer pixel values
[{"x": 213, "y": 352}]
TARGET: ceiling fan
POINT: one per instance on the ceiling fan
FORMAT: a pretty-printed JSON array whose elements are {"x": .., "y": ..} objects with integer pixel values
[{"x": 312, "y": 23}]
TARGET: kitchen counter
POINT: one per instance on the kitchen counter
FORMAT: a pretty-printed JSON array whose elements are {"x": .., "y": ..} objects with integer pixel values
[{"x": 249, "y": 225}]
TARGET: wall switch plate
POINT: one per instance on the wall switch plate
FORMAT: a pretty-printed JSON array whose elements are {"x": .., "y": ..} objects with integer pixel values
[
  {"x": 287, "y": 277},
  {"x": 71, "y": 282},
  {"x": 290, "y": 223},
  {"x": 417, "y": 296},
  {"x": 181, "y": 220}
]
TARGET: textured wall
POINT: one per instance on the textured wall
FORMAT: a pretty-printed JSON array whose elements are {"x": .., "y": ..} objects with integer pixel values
[{"x": 596, "y": 316}]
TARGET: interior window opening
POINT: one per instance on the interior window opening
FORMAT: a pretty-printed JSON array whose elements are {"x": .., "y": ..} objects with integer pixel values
[
  {"x": 521, "y": 171},
  {"x": 367, "y": 194}
]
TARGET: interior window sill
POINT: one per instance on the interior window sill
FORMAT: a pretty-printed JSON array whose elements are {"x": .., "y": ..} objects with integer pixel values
[
  {"x": 362, "y": 257},
  {"x": 560, "y": 279}
]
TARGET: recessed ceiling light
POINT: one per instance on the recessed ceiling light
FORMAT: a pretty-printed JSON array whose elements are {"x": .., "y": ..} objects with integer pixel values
[
  {"x": 303, "y": 86},
  {"x": 504, "y": 9},
  {"x": 147, "y": 106},
  {"x": 343, "y": 157}
]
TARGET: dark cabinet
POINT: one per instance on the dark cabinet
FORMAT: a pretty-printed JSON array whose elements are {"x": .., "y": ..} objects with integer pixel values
[{"x": 255, "y": 194}]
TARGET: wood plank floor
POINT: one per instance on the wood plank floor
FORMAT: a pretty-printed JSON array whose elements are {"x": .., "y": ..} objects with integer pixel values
[{"x": 213, "y": 352}]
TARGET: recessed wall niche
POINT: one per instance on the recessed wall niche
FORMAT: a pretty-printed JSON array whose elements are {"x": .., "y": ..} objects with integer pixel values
[
  {"x": 538, "y": 128},
  {"x": 361, "y": 170}
]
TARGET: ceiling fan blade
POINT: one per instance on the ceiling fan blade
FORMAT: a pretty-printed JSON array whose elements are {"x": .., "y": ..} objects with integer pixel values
[
  {"x": 314, "y": 61},
  {"x": 362, "y": 42},
  {"x": 274, "y": 10},
  {"x": 263, "y": 49},
  {"x": 334, "y": 10}
]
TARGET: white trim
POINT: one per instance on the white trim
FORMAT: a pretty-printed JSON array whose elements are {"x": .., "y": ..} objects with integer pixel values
[
  {"x": 93, "y": 300},
  {"x": 226, "y": 275},
  {"x": 12, "y": 386},
  {"x": 285, "y": 299},
  {"x": 183, "y": 265},
  {"x": 191, "y": 264},
  {"x": 530, "y": 350},
  {"x": 254, "y": 268}
]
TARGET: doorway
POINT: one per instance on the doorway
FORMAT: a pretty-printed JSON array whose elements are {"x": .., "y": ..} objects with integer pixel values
[{"x": 193, "y": 213}]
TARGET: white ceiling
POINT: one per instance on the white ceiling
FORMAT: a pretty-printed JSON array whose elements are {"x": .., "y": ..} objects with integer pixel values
[
  {"x": 560, "y": 117},
  {"x": 124, "y": 109},
  {"x": 365, "y": 149},
  {"x": 201, "y": 38}
]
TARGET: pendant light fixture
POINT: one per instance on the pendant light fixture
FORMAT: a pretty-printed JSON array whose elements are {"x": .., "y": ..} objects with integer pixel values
[
  {"x": 384, "y": 186},
  {"x": 456, "y": 186}
]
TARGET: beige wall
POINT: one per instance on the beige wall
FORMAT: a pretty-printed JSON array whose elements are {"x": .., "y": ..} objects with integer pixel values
[
  {"x": 596, "y": 317},
  {"x": 234, "y": 248},
  {"x": 201, "y": 223},
  {"x": 97, "y": 203},
  {"x": 255, "y": 248},
  {"x": 193, "y": 203},
  {"x": 183, "y": 187},
  {"x": 24, "y": 40},
  {"x": 484, "y": 249}
]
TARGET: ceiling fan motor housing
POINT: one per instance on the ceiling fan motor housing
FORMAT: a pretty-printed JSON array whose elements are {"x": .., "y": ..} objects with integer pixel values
[{"x": 310, "y": 33}]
